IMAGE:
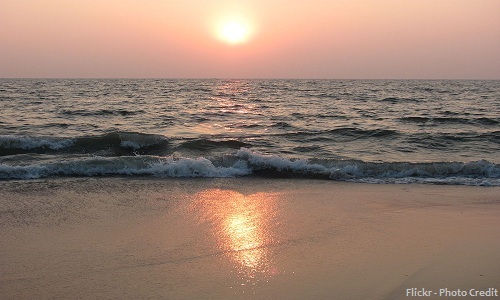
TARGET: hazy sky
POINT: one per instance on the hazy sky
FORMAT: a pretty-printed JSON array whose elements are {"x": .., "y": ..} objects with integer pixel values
[{"x": 425, "y": 39}]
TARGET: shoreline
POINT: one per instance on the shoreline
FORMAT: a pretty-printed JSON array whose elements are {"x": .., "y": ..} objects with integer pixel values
[{"x": 244, "y": 238}]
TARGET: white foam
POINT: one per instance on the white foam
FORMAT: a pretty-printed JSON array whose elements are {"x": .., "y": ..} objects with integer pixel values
[
  {"x": 22, "y": 142},
  {"x": 246, "y": 162},
  {"x": 471, "y": 173},
  {"x": 125, "y": 165},
  {"x": 280, "y": 163},
  {"x": 199, "y": 167},
  {"x": 138, "y": 140}
]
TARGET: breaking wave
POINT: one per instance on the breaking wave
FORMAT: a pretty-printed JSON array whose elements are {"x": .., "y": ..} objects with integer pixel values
[
  {"x": 114, "y": 141},
  {"x": 249, "y": 163}
]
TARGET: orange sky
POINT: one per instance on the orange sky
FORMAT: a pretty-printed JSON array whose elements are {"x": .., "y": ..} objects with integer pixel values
[{"x": 289, "y": 39}]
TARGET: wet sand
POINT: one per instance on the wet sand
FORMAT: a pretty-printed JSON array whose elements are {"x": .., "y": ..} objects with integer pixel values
[{"x": 244, "y": 238}]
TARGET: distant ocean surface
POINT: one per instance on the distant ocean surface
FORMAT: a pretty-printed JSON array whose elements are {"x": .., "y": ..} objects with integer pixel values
[{"x": 402, "y": 131}]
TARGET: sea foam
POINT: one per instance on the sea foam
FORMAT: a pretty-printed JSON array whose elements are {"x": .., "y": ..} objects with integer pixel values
[
  {"x": 26, "y": 143},
  {"x": 250, "y": 163}
]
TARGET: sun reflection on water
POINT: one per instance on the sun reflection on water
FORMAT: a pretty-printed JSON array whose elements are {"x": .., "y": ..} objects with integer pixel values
[
  {"x": 233, "y": 97},
  {"x": 242, "y": 227}
]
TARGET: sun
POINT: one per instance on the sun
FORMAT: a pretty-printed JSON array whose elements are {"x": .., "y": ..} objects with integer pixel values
[{"x": 234, "y": 32}]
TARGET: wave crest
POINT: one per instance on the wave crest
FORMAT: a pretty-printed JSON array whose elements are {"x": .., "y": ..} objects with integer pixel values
[
  {"x": 249, "y": 163},
  {"x": 116, "y": 142}
]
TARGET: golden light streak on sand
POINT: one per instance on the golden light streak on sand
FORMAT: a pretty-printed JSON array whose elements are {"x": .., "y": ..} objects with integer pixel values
[{"x": 242, "y": 227}]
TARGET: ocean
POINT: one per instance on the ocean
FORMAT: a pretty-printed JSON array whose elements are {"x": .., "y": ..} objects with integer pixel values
[{"x": 375, "y": 131}]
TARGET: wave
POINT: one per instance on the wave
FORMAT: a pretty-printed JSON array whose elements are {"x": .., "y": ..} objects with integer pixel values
[
  {"x": 451, "y": 120},
  {"x": 9, "y": 144},
  {"x": 471, "y": 173},
  {"x": 395, "y": 100},
  {"x": 433, "y": 140},
  {"x": 344, "y": 132},
  {"x": 124, "y": 165},
  {"x": 100, "y": 112},
  {"x": 249, "y": 163},
  {"x": 206, "y": 145},
  {"x": 116, "y": 142}
]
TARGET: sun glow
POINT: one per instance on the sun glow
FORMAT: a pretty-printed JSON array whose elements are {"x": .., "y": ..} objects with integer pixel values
[{"x": 234, "y": 32}]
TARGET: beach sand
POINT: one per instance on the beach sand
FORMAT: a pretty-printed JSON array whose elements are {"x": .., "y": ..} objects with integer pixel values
[{"x": 244, "y": 238}]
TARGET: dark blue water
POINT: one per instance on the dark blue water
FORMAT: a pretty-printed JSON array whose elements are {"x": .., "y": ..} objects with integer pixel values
[{"x": 371, "y": 131}]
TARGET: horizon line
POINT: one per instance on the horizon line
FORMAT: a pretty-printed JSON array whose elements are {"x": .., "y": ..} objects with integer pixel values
[{"x": 249, "y": 78}]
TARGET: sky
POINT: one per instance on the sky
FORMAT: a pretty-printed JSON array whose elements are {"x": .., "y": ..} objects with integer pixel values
[{"x": 332, "y": 39}]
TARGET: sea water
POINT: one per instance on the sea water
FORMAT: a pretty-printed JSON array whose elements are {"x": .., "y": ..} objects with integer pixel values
[{"x": 380, "y": 131}]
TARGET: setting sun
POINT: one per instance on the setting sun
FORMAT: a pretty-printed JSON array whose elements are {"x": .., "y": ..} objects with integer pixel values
[{"x": 234, "y": 32}]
